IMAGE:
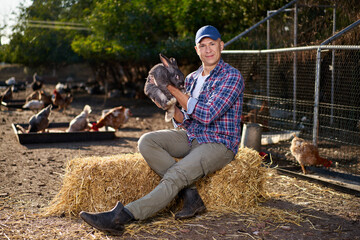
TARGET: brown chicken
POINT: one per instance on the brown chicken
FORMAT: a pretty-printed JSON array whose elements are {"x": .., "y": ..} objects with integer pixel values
[
  {"x": 256, "y": 115},
  {"x": 114, "y": 118},
  {"x": 307, "y": 154},
  {"x": 62, "y": 102},
  {"x": 39, "y": 95},
  {"x": 38, "y": 122},
  {"x": 33, "y": 96},
  {"x": 45, "y": 97}
]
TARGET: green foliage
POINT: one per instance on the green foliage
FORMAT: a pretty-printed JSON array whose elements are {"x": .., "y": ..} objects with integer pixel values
[{"x": 44, "y": 47}]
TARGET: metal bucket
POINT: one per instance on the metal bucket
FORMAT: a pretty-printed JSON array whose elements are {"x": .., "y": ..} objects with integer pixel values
[{"x": 251, "y": 136}]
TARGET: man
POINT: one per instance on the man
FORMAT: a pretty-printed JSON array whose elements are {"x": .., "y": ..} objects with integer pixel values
[{"x": 208, "y": 138}]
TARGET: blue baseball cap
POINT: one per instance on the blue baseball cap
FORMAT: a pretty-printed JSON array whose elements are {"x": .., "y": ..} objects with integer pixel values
[{"x": 207, "y": 31}]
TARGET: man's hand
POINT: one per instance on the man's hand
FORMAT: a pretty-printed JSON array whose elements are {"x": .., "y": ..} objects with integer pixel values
[{"x": 181, "y": 97}]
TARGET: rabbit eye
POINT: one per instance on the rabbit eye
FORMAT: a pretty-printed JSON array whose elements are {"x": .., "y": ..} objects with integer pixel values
[{"x": 177, "y": 77}]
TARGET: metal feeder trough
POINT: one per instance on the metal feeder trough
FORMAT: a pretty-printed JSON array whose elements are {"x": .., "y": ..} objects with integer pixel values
[{"x": 13, "y": 103}]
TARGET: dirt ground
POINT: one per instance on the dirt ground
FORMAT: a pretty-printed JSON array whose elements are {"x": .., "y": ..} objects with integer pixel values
[{"x": 31, "y": 175}]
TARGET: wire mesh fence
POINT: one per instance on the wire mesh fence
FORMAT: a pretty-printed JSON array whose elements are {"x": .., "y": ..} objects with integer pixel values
[
  {"x": 274, "y": 99},
  {"x": 280, "y": 79}
]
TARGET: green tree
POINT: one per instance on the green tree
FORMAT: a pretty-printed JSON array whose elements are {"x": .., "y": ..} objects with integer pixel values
[{"x": 43, "y": 47}]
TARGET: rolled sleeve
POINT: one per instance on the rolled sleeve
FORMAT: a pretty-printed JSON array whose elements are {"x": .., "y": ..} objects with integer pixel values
[{"x": 191, "y": 105}]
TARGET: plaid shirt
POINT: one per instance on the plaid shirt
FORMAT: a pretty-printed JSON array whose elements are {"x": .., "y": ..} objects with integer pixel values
[{"x": 216, "y": 115}]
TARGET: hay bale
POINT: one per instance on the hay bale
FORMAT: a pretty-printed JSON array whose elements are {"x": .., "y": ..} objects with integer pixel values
[
  {"x": 97, "y": 183},
  {"x": 239, "y": 185}
]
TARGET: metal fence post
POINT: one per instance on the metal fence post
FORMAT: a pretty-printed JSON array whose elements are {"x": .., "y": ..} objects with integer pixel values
[
  {"x": 268, "y": 57},
  {"x": 316, "y": 97},
  {"x": 295, "y": 63},
  {"x": 317, "y": 78},
  {"x": 333, "y": 71}
]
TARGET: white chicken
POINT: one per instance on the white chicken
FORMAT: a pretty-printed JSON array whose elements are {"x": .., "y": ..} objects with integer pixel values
[
  {"x": 10, "y": 81},
  {"x": 81, "y": 121},
  {"x": 34, "y": 105}
]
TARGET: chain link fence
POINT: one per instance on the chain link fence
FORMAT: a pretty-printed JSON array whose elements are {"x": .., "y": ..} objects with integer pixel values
[{"x": 281, "y": 85}]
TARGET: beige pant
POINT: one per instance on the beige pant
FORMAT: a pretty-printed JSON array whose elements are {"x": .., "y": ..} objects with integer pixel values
[{"x": 159, "y": 150}]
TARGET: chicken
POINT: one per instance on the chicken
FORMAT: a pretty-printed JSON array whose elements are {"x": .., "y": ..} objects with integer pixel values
[
  {"x": 37, "y": 82},
  {"x": 81, "y": 121},
  {"x": 258, "y": 115},
  {"x": 46, "y": 98},
  {"x": 34, "y": 105},
  {"x": 60, "y": 101},
  {"x": 7, "y": 94},
  {"x": 39, "y": 95},
  {"x": 38, "y": 122},
  {"x": 62, "y": 88},
  {"x": 10, "y": 81},
  {"x": 115, "y": 118},
  {"x": 307, "y": 154},
  {"x": 33, "y": 96}
]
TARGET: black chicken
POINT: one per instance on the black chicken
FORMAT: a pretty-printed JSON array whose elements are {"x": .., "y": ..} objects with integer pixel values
[
  {"x": 37, "y": 82},
  {"x": 7, "y": 94}
]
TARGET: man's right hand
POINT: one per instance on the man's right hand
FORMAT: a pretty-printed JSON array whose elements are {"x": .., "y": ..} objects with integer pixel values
[{"x": 181, "y": 97}]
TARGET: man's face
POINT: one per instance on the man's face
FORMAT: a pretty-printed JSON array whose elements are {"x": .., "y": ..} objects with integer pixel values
[{"x": 209, "y": 51}]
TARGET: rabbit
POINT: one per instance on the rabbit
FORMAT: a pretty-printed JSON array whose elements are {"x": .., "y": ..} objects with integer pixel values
[{"x": 160, "y": 76}]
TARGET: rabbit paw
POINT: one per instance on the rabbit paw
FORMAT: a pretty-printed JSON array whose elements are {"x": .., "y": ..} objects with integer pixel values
[
  {"x": 169, "y": 114},
  {"x": 171, "y": 102}
]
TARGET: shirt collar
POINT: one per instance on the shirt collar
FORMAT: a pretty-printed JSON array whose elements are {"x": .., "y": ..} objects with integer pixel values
[{"x": 216, "y": 69}]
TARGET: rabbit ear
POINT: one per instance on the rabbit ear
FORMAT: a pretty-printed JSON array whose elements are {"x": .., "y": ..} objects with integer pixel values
[
  {"x": 173, "y": 62},
  {"x": 165, "y": 60}
]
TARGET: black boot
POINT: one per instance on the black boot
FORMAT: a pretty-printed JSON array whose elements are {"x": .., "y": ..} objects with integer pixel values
[
  {"x": 193, "y": 204},
  {"x": 112, "y": 221}
]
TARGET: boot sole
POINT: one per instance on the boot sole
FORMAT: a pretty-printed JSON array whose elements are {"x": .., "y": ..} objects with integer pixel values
[{"x": 198, "y": 211}]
